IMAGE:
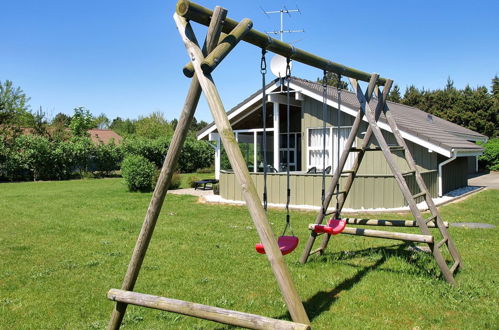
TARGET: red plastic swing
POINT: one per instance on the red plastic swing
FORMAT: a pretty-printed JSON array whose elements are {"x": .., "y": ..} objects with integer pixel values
[
  {"x": 333, "y": 227},
  {"x": 287, "y": 244}
]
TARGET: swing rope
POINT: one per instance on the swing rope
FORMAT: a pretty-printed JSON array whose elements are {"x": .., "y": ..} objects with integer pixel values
[{"x": 263, "y": 71}]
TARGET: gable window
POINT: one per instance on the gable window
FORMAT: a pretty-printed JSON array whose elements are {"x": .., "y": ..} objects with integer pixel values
[{"x": 316, "y": 153}]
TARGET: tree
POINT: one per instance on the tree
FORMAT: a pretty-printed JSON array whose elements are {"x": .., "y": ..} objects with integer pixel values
[
  {"x": 81, "y": 121},
  {"x": 495, "y": 87},
  {"x": 153, "y": 126},
  {"x": 61, "y": 119},
  {"x": 332, "y": 80},
  {"x": 394, "y": 95},
  {"x": 38, "y": 122},
  {"x": 102, "y": 122},
  {"x": 14, "y": 109},
  {"x": 123, "y": 127}
]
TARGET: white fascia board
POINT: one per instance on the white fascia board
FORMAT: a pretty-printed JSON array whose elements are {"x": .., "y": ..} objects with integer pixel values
[
  {"x": 384, "y": 126},
  {"x": 240, "y": 110},
  {"x": 467, "y": 152}
]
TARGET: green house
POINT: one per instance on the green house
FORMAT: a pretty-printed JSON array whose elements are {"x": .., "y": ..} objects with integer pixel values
[{"x": 444, "y": 152}]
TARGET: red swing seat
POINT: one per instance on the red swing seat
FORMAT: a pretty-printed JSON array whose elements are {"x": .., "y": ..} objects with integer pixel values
[
  {"x": 333, "y": 227},
  {"x": 287, "y": 244}
]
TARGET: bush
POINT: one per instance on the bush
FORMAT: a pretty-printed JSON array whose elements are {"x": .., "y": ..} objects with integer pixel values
[
  {"x": 195, "y": 154},
  {"x": 216, "y": 189},
  {"x": 106, "y": 158},
  {"x": 490, "y": 157},
  {"x": 175, "y": 182},
  {"x": 138, "y": 173},
  {"x": 191, "y": 181}
]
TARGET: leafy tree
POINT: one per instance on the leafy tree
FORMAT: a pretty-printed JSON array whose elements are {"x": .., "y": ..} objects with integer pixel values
[
  {"x": 123, "y": 127},
  {"x": 102, "y": 122},
  {"x": 61, "y": 119},
  {"x": 14, "y": 109},
  {"x": 394, "y": 95},
  {"x": 332, "y": 80},
  {"x": 197, "y": 126},
  {"x": 153, "y": 126},
  {"x": 38, "y": 122},
  {"x": 81, "y": 121}
]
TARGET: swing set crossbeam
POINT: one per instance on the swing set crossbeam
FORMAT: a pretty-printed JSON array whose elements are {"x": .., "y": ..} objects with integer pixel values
[
  {"x": 220, "y": 315},
  {"x": 199, "y": 14}
]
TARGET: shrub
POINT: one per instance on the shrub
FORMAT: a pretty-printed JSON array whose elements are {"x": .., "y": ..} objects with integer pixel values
[
  {"x": 191, "y": 181},
  {"x": 216, "y": 189},
  {"x": 195, "y": 154},
  {"x": 106, "y": 158},
  {"x": 138, "y": 173},
  {"x": 490, "y": 157},
  {"x": 175, "y": 182}
]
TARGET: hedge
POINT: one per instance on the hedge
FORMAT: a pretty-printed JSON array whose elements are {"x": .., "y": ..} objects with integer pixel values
[{"x": 32, "y": 157}]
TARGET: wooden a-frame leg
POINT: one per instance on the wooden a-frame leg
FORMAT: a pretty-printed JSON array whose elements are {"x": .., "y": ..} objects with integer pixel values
[
  {"x": 274, "y": 255},
  {"x": 164, "y": 179},
  {"x": 337, "y": 174},
  {"x": 365, "y": 143}
]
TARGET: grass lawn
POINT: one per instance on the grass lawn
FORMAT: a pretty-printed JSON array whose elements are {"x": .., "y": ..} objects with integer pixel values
[{"x": 64, "y": 244}]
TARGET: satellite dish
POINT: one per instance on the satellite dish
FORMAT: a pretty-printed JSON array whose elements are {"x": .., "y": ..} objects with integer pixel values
[{"x": 278, "y": 65}]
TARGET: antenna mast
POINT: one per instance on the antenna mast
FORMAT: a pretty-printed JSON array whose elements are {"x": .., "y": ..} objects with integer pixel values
[{"x": 282, "y": 11}]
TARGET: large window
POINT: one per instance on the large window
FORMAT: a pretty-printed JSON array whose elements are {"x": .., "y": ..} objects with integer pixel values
[{"x": 316, "y": 154}]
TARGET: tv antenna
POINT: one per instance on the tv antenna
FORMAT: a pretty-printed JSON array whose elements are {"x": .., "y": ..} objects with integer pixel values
[{"x": 282, "y": 11}]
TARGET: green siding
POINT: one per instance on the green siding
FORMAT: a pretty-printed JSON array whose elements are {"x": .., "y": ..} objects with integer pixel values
[
  {"x": 374, "y": 162},
  {"x": 368, "y": 191},
  {"x": 454, "y": 174}
]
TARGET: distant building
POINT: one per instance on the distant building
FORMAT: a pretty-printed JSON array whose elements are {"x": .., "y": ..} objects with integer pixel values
[{"x": 104, "y": 136}]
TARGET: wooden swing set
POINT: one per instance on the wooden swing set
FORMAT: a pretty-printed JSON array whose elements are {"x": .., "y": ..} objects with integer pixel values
[{"x": 222, "y": 36}]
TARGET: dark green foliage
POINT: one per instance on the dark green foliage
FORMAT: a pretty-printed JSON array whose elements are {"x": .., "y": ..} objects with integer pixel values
[
  {"x": 62, "y": 119},
  {"x": 123, "y": 127},
  {"x": 394, "y": 95},
  {"x": 332, "y": 79},
  {"x": 106, "y": 158},
  {"x": 490, "y": 157},
  {"x": 152, "y": 149},
  {"x": 473, "y": 108},
  {"x": 195, "y": 154},
  {"x": 138, "y": 173}
]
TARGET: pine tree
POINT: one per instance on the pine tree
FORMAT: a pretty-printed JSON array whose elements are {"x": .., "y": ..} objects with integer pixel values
[
  {"x": 394, "y": 95},
  {"x": 332, "y": 80}
]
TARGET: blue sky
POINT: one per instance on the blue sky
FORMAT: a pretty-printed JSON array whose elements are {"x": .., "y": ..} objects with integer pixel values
[{"x": 124, "y": 58}]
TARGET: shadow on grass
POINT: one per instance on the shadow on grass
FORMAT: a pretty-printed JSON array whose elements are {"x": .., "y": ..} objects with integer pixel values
[{"x": 323, "y": 300}]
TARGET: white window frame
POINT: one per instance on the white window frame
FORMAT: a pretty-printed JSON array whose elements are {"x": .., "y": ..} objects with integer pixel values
[{"x": 329, "y": 147}]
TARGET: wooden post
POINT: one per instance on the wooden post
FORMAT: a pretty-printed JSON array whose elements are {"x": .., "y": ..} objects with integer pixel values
[
  {"x": 336, "y": 176},
  {"x": 388, "y": 223},
  {"x": 199, "y": 14},
  {"x": 228, "y": 43},
  {"x": 220, "y": 315},
  {"x": 164, "y": 179},
  {"x": 370, "y": 114},
  {"x": 249, "y": 192},
  {"x": 384, "y": 234}
]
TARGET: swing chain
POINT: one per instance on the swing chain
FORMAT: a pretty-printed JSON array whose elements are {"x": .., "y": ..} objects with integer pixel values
[
  {"x": 337, "y": 211},
  {"x": 324, "y": 113},
  {"x": 263, "y": 62},
  {"x": 263, "y": 71}
]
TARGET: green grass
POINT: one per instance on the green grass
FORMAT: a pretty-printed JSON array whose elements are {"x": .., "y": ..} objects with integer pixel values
[{"x": 64, "y": 244}]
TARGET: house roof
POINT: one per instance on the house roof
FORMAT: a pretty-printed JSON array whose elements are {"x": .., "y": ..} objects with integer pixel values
[
  {"x": 416, "y": 125},
  {"x": 104, "y": 136}
]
